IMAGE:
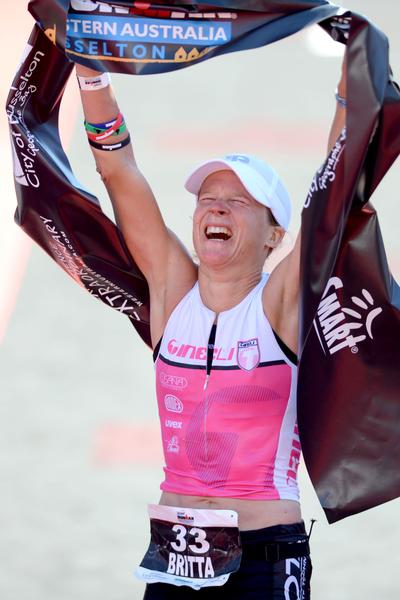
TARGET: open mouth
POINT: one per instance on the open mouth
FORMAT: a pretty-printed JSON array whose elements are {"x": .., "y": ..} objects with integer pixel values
[{"x": 218, "y": 233}]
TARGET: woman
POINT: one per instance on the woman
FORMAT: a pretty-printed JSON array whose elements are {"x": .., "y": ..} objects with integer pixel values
[{"x": 225, "y": 340}]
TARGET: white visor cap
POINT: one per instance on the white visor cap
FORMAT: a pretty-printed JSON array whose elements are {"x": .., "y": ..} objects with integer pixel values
[{"x": 260, "y": 180}]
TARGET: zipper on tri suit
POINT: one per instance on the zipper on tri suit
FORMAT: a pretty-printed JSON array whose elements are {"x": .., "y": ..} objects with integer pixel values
[
  {"x": 210, "y": 356},
  {"x": 210, "y": 352}
]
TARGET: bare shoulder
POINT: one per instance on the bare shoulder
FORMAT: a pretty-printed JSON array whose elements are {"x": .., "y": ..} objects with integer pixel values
[
  {"x": 281, "y": 298},
  {"x": 168, "y": 289}
]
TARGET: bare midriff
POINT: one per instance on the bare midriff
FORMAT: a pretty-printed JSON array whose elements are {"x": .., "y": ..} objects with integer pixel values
[{"x": 253, "y": 514}]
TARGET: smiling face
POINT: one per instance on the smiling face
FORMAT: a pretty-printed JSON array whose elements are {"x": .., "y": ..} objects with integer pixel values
[{"x": 229, "y": 226}]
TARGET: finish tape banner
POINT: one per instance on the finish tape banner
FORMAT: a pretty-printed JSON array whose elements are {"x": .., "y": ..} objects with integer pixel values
[
  {"x": 143, "y": 38},
  {"x": 349, "y": 376}
]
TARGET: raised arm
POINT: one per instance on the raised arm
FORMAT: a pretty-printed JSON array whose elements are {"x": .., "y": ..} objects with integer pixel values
[
  {"x": 281, "y": 299},
  {"x": 159, "y": 254}
]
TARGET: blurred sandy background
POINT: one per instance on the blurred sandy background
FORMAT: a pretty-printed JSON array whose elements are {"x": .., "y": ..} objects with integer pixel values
[{"x": 79, "y": 449}]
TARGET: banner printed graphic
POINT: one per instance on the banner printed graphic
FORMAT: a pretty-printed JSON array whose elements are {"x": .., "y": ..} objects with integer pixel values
[
  {"x": 349, "y": 414},
  {"x": 53, "y": 209},
  {"x": 350, "y": 308},
  {"x": 133, "y": 37}
]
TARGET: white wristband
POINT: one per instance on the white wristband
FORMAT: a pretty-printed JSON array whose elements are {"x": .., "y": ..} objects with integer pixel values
[{"x": 90, "y": 84}]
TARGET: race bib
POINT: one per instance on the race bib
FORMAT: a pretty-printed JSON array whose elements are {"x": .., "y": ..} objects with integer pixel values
[{"x": 193, "y": 547}]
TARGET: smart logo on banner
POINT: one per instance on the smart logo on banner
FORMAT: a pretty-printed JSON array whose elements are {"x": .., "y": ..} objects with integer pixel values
[
  {"x": 133, "y": 38},
  {"x": 339, "y": 327}
]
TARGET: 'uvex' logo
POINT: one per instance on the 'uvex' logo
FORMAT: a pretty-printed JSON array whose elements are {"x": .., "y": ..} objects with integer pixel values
[{"x": 334, "y": 328}]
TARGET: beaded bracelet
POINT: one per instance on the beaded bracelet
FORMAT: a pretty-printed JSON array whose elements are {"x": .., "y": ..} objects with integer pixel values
[{"x": 111, "y": 147}]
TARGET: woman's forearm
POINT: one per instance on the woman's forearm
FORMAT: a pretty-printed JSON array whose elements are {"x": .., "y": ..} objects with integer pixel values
[
  {"x": 98, "y": 105},
  {"x": 101, "y": 106}
]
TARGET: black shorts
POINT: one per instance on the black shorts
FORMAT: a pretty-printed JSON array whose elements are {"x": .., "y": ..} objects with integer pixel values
[{"x": 257, "y": 578}]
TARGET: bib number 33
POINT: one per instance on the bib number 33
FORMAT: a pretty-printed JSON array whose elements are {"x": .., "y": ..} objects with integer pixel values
[
  {"x": 189, "y": 546},
  {"x": 200, "y": 544},
  {"x": 189, "y": 556}
]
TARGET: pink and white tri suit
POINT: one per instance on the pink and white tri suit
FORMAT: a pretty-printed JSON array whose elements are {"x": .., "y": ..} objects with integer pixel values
[{"x": 238, "y": 437}]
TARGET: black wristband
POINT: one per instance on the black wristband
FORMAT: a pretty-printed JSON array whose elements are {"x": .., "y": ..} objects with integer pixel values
[{"x": 110, "y": 147}]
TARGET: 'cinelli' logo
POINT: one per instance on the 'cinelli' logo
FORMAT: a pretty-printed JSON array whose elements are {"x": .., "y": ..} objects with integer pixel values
[
  {"x": 334, "y": 329},
  {"x": 198, "y": 352}
]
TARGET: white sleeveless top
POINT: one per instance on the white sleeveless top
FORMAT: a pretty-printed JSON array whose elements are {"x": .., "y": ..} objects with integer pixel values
[{"x": 238, "y": 437}]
